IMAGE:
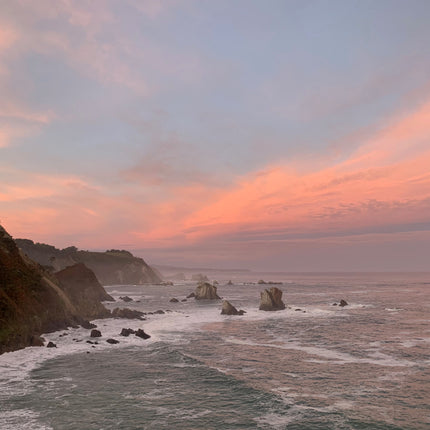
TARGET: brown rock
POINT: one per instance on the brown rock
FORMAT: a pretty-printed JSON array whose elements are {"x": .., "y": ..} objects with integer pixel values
[
  {"x": 271, "y": 300},
  {"x": 206, "y": 291}
]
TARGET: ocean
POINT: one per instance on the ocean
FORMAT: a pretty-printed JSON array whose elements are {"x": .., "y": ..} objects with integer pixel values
[{"x": 311, "y": 366}]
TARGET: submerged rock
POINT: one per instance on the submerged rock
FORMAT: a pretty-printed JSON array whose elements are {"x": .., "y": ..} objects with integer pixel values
[
  {"x": 271, "y": 300},
  {"x": 142, "y": 334},
  {"x": 87, "y": 325},
  {"x": 95, "y": 333},
  {"x": 206, "y": 291},
  {"x": 229, "y": 309},
  {"x": 127, "y": 313}
]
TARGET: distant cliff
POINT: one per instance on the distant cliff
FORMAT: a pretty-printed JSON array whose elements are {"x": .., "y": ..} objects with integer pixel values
[
  {"x": 111, "y": 267},
  {"x": 32, "y": 301}
]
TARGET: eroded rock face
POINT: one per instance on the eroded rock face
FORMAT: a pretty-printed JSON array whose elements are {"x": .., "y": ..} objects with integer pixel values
[
  {"x": 229, "y": 309},
  {"x": 271, "y": 300},
  {"x": 206, "y": 291}
]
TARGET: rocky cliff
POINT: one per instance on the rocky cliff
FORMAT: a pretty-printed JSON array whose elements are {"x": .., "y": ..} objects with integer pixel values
[
  {"x": 111, "y": 267},
  {"x": 32, "y": 301}
]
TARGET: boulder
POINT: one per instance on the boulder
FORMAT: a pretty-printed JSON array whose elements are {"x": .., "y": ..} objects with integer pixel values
[
  {"x": 127, "y": 313},
  {"x": 173, "y": 300},
  {"x": 159, "y": 312},
  {"x": 51, "y": 345},
  {"x": 142, "y": 334},
  {"x": 343, "y": 303},
  {"x": 112, "y": 341},
  {"x": 95, "y": 333},
  {"x": 206, "y": 291},
  {"x": 127, "y": 332},
  {"x": 126, "y": 299},
  {"x": 229, "y": 309},
  {"x": 271, "y": 300}
]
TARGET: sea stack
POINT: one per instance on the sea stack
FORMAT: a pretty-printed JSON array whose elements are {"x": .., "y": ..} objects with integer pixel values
[
  {"x": 206, "y": 291},
  {"x": 229, "y": 309},
  {"x": 271, "y": 300}
]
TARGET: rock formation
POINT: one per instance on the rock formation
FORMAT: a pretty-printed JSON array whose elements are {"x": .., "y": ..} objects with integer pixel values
[
  {"x": 127, "y": 313},
  {"x": 229, "y": 309},
  {"x": 82, "y": 287},
  {"x": 271, "y": 300},
  {"x": 111, "y": 267},
  {"x": 206, "y": 291},
  {"x": 32, "y": 301}
]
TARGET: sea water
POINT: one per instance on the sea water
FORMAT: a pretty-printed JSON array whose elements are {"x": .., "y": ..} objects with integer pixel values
[{"x": 311, "y": 366}]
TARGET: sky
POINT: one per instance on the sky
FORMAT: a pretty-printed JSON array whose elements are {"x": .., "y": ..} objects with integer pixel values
[{"x": 267, "y": 135}]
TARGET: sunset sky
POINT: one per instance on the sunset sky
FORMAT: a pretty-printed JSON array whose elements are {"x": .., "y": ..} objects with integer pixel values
[{"x": 270, "y": 135}]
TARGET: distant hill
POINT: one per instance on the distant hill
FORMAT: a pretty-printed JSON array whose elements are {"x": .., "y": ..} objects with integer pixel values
[
  {"x": 111, "y": 267},
  {"x": 33, "y": 301}
]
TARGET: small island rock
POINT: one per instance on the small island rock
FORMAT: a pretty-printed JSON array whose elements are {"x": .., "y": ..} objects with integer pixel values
[
  {"x": 343, "y": 303},
  {"x": 271, "y": 300},
  {"x": 206, "y": 291},
  {"x": 229, "y": 309},
  {"x": 142, "y": 334}
]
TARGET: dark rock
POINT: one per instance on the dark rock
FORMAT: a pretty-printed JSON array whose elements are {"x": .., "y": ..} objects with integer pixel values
[
  {"x": 241, "y": 312},
  {"x": 167, "y": 283},
  {"x": 334, "y": 304},
  {"x": 343, "y": 303},
  {"x": 142, "y": 334},
  {"x": 127, "y": 313},
  {"x": 159, "y": 312},
  {"x": 112, "y": 341},
  {"x": 298, "y": 309},
  {"x": 191, "y": 296},
  {"x": 51, "y": 345},
  {"x": 271, "y": 300},
  {"x": 127, "y": 332},
  {"x": 90, "y": 342},
  {"x": 126, "y": 299},
  {"x": 173, "y": 300},
  {"x": 87, "y": 325},
  {"x": 95, "y": 333},
  {"x": 206, "y": 291},
  {"x": 183, "y": 300},
  {"x": 228, "y": 309}
]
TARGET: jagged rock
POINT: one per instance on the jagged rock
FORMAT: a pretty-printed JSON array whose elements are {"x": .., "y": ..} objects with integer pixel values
[
  {"x": 206, "y": 291},
  {"x": 51, "y": 345},
  {"x": 229, "y": 309},
  {"x": 142, "y": 334},
  {"x": 126, "y": 299},
  {"x": 173, "y": 300},
  {"x": 127, "y": 313},
  {"x": 191, "y": 296},
  {"x": 112, "y": 341},
  {"x": 271, "y": 300},
  {"x": 95, "y": 333},
  {"x": 343, "y": 303},
  {"x": 127, "y": 332}
]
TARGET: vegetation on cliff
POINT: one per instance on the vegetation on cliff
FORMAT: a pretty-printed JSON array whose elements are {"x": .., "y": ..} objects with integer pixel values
[
  {"x": 33, "y": 302},
  {"x": 111, "y": 267}
]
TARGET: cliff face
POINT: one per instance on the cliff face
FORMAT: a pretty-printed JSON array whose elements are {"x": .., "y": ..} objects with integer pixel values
[
  {"x": 33, "y": 302},
  {"x": 84, "y": 290},
  {"x": 111, "y": 267}
]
